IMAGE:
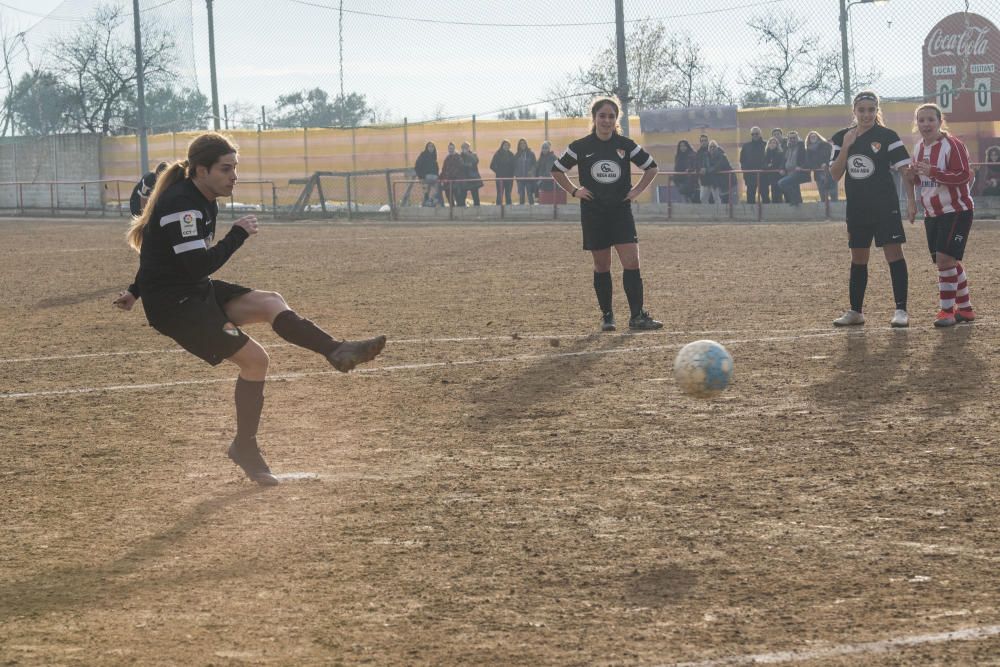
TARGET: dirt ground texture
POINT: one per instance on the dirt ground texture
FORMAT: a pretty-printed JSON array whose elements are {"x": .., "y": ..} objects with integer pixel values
[{"x": 504, "y": 486}]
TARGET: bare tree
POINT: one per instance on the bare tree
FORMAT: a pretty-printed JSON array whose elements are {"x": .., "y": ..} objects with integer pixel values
[
  {"x": 11, "y": 44},
  {"x": 695, "y": 84},
  {"x": 791, "y": 67},
  {"x": 97, "y": 63}
]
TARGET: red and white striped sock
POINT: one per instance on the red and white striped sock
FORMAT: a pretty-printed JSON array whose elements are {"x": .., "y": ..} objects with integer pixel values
[
  {"x": 962, "y": 288},
  {"x": 947, "y": 281}
]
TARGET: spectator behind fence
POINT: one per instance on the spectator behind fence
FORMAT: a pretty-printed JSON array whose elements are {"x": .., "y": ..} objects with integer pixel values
[
  {"x": 795, "y": 171},
  {"x": 989, "y": 174},
  {"x": 452, "y": 171},
  {"x": 427, "y": 171},
  {"x": 774, "y": 162},
  {"x": 778, "y": 134},
  {"x": 502, "y": 165},
  {"x": 472, "y": 181},
  {"x": 818, "y": 151},
  {"x": 524, "y": 167},
  {"x": 543, "y": 168},
  {"x": 701, "y": 162},
  {"x": 716, "y": 173},
  {"x": 752, "y": 159},
  {"x": 686, "y": 181}
]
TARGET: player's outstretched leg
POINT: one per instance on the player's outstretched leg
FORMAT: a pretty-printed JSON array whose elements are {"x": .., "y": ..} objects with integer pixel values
[{"x": 342, "y": 355}]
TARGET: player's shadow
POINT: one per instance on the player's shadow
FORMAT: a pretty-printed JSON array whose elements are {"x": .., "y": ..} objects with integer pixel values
[
  {"x": 868, "y": 374},
  {"x": 540, "y": 390},
  {"x": 79, "y": 297},
  {"x": 77, "y": 586},
  {"x": 954, "y": 375}
]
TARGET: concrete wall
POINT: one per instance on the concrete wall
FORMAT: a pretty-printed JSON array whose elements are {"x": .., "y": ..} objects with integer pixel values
[{"x": 39, "y": 162}]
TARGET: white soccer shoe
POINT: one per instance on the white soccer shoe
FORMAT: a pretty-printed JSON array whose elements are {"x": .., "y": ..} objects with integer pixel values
[
  {"x": 850, "y": 319},
  {"x": 900, "y": 320}
]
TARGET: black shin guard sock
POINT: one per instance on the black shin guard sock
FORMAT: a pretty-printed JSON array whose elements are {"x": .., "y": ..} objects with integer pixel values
[
  {"x": 900, "y": 282},
  {"x": 602, "y": 285},
  {"x": 858, "y": 285},
  {"x": 632, "y": 280},
  {"x": 249, "y": 403},
  {"x": 300, "y": 331}
]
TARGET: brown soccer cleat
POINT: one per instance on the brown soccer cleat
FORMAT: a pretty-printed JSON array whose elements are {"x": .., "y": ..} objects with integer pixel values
[{"x": 350, "y": 353}]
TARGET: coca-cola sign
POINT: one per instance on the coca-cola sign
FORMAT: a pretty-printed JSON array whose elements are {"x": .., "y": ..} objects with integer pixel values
[
  {"x": 973, "y": 41},
  {"x": 961, "y": 56}
]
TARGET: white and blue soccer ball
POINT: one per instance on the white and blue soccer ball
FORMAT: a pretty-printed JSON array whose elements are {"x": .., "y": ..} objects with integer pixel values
[{"x": 703, "y": 368}]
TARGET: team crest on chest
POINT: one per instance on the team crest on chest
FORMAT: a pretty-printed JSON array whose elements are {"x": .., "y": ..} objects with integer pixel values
[
  {"x": 876, "y": 146},
  {"x": 621, "y": 153}
]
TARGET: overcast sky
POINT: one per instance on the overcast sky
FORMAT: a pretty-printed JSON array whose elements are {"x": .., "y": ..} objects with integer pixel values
[{"x": 512, "y": 54}]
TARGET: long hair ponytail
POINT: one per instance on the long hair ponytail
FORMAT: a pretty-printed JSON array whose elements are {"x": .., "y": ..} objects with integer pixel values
[{"x": 205, "y": 150}]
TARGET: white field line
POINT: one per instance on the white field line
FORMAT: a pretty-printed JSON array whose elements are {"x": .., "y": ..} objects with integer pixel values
[
  {"x": 880, "y": 646},
  {"x": 456, "y": 339},
  {"x": 406, "y": 367}
]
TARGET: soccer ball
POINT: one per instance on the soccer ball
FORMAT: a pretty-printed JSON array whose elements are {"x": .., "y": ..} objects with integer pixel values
[{"x": 703, "y": 368}]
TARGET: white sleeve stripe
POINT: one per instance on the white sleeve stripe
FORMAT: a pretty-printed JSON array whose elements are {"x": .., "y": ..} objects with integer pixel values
[
  {"x": 145, "y": 190},
  {"x": 635, "y": 151},
  {"x": 570, "y": 153},
  {"x": 896, "y": 144},
  {"x": 901, "y": 163},
  {"x": 560, "y": 166},
  {"x": 176, "y": 217},
  {"x": 647, "y": 163},
  {"x": 197, "y": 244}
]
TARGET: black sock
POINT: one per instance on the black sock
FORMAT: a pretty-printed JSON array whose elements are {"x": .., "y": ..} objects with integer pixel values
[
  {"x": 633, "y": 290},
  {"x": 249, "y": 403},
  {"x": 300, "y": 331},
  {"x": 858, "y": 285},
  {"x": 900, "y": 282},
  {"x": 602, "y": 285}
]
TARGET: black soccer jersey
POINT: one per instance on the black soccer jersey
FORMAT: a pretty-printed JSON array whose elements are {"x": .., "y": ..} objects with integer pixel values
[
  {"x": 868, "y": 181},
  {"x": 142, "y": 188},
  {"x": 604, "y": 166},
  {"x": 177, "y": 255}
]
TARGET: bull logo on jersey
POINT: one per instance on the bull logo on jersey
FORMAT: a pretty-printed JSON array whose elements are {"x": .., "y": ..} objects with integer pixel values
[
  {"x": 621, "y": 153},
  {"x": 876, "y": 146},
  {"x": 860, "y": 167},
  {"x": 606, "y": 171}
]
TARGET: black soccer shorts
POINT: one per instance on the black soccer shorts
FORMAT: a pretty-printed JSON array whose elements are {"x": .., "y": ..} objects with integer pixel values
[
  {"x": 198, "y": 323},
  {"x": 948, "y": 233},
  {"x": 607, "y": 225}
]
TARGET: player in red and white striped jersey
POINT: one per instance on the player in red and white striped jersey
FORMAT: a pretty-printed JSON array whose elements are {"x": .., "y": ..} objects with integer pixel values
[{"x": 943, "y": 179}]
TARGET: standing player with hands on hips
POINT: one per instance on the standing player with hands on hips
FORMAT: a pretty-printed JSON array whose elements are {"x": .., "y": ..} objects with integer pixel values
[
  {"x": 604, "y": 158},
  {"x": 176, "y": 259},
  {"x": 866, "y": 152},
  {"x": 943, "y": 176}
]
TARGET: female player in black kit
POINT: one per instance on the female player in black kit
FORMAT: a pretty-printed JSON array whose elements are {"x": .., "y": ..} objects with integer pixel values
[
  {"x": 866, "y": 152},
  {"x": 604, "y": 158},
  {"x": 176, "y": 257}
]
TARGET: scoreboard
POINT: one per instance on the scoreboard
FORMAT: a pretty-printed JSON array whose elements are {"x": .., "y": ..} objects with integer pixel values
[{"x": 961, "y": 60}]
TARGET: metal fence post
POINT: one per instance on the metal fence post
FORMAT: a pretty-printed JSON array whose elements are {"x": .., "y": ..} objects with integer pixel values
[
  {"x": 349, "y": 204},
  {"x": 392, "y": 197}
]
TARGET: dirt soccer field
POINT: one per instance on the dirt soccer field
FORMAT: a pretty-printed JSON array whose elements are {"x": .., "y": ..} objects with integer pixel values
[{"x": 504, "y": 486}]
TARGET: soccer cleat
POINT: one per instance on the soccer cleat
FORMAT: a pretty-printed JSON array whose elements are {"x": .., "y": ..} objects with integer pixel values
[
  {"x": 945, "y": 318},
  {"x": 965, "y": 315},
  {"x": 608, "y": 322},
  {"x": 247, "y": 456},
  {"x": 849, "y": 319},
  {"x": 900, "y": 319},
  {"x": 350, "y": 353},
  {"x": 643, "y": 322}
]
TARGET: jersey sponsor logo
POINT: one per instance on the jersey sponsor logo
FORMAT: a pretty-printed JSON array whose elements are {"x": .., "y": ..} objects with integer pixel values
[
  {"x": 606, "y": 171},
  {"x": 876, "y": 146},
  {"x": 189, "y": 227},
  {"x": 860, "y": 167},
  {"x": 621, "y": 153}
]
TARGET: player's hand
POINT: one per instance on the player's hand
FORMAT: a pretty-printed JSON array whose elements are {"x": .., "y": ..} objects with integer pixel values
[
  {"x": 923, "y": 168},
  {"x": 849, "y": 138},
  {"x": 248, "y": 223},
  {"x": 911, "y": 211},
  {"x": 584, "y": 193},
  {"x": 125, "y": 301},
  {"x": 632, "y": 195}
]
